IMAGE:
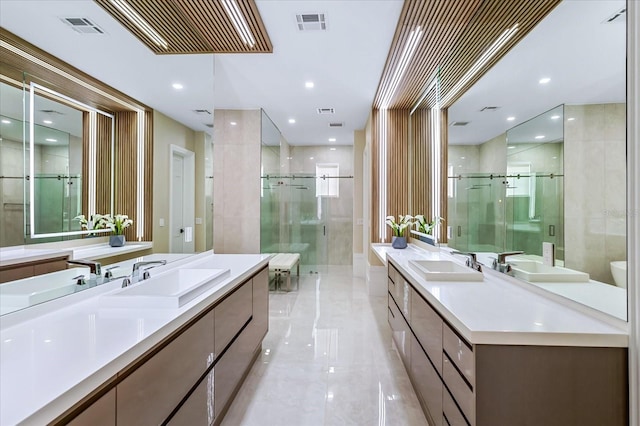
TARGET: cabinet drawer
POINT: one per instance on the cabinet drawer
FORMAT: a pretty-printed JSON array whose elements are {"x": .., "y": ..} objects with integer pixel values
[
  {"x": 458, "y": 388},
  {"x": 400, "y": 331},
  {"x": 451, "y": 412},
  {"x": 231, "y": 315},
  {"x": 100, "y": 413},
  {"x": 197, "y": 410},
  {"x": 427, "y": 383},
  {"x": 393, "y": 273},
  {"x": 153, "y": 390},
  {"x": 391, "y": 286},
  {"x": 460, "y": 353},
  {"x": 427, "y": 326}
]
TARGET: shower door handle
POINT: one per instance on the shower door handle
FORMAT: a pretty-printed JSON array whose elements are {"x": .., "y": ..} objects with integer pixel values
[
  {"x": 324, "y": 230},
  {"x": 459, "y": 231}
]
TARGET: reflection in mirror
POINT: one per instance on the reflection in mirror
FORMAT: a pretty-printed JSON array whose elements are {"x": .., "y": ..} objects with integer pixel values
[
  {"x": 70, "y": 165},
  {"x": 537, "y": 154}
]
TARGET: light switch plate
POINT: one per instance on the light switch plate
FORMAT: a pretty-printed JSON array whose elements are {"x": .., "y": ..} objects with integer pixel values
[
  {"x": 161, "y": 222},
  {"x": 198, "y": 221},
  {"x": 548, "y": 254}
]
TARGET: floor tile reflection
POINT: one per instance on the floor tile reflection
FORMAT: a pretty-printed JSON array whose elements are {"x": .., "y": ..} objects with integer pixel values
[{"x": 328, "y": 359}]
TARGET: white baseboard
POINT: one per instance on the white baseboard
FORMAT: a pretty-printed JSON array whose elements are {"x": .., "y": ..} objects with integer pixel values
[
  {"x": 359, "y": 265},
  {"x": 376, "y": 280}
]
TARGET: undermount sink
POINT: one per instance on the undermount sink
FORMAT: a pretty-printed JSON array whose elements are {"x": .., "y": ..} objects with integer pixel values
[
  {"x": 444, "y": 270},
  {"x": 538, "y": 272},
  {"x": 169, "y": 290}
]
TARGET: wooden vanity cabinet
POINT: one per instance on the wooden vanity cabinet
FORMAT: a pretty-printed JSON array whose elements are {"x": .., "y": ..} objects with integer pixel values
[
  {"x": 100, "y": 413},
  {"x": 460, "y": 384},
  {"x": 154, "y": 389},
  {"x": 31, "y": 269},
  {"x": 192, "y": 377}
]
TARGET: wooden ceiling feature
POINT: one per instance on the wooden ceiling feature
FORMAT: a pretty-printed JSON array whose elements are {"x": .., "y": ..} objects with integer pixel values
[
  {"x": 194, "y": 26},
  {"x": 442, "y": 22},
  {"x": 456, "y": 34}
]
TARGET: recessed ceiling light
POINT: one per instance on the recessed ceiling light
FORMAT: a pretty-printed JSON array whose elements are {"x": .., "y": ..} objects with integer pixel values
[
  {"x": 292, "y": 121},
  {"x": 510, "y": 147},
  {"x": 47, "y": 121},
  {"x": 6, "y": 121},
  {"x": 544, "y": 80},
  {"x": 177, "y": 86},
  {"x": 289, "y": 158},
  {"x": 51, "y": 140},
  {"x": 332, "y": 139},
  {"x": 510, "y": 118},
  {"x": 540, "y": 137},
  {"x": 233, "y": 123},
  {"x": 309, "y": 84},
  {"x": 555, "y": 117},
  {"x": 570, "y": 119},
  {"x": 332, "y": 149},
  {"x": 310, "y": 158}
]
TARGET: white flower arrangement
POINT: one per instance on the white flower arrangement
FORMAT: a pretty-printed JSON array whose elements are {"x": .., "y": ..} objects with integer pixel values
[
  {"x": 117, "y": 223},
  {"x": 399, "y": 227},
  {"x": 96, "y": 221},
  {"x": 425, "y": 227}
]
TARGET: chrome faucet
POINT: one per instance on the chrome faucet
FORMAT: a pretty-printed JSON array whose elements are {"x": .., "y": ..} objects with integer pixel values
[
  {"x": 95, "y": 270},
  {"x": 500, "y": 264},
  {"x": 135, "y": 274},
  {"x": 472, "y": 260}
]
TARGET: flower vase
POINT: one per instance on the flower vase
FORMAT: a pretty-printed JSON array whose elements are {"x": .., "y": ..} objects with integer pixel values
[
  {"x": 399, "y": 242},
  {"x": 116, "y": 240}
]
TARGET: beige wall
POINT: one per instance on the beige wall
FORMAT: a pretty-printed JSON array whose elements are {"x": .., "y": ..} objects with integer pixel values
[
  {"x": 166, "y": 132},
  {"x": 359, "y": 141},
  {"x": 595, "y": 188},
  {"x": 236, "y": 183},
  {"x": 204, "y": 194}
]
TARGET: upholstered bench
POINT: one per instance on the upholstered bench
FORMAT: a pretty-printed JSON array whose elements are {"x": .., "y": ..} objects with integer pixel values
[{"x": 282, "y": 263}]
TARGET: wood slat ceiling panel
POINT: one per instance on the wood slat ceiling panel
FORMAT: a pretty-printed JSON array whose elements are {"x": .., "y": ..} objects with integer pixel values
[
  {"x": 442, "y": 22},
  {"x": 194, "y": 26},
  {"x": 456, "y": 34}
]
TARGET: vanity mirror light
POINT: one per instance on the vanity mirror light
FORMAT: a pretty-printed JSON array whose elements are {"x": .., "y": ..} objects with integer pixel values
[
  {"x": 70, "y": 163},
  {"x": 537, "y": 153}
]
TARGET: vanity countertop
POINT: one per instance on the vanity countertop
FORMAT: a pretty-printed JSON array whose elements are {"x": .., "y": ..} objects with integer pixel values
[
  {"x": 54, "y": 354},
  {"x": 496, "y": 311},
  {"x": 21, "y": 254}
]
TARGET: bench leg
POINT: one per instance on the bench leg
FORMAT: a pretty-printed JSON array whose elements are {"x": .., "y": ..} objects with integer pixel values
[{"x": 289, "y": 280}]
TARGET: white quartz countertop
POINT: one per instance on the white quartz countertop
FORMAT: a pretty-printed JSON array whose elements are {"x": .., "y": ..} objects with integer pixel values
[
  {"x": 54, "y": 354},
  {"x": 496, "y": 311},
  {"x": 11, "y": 256}
]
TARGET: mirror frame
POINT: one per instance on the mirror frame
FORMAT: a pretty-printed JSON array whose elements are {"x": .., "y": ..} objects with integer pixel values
[{"x": 92, "y": 156}]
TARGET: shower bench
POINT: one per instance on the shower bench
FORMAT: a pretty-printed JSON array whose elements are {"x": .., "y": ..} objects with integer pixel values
[{"x": 282, "y": 264}]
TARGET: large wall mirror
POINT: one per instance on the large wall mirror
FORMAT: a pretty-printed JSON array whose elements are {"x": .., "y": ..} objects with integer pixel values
[
  {"x": 537, "y": 154},
  {"x": 56, "y": 164}
]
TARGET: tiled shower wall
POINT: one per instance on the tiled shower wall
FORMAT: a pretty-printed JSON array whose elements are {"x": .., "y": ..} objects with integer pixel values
[{"x": 595, "y": 188}]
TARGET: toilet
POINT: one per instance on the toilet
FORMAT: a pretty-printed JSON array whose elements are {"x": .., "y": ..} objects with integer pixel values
[{"x": 619, "y": 272}]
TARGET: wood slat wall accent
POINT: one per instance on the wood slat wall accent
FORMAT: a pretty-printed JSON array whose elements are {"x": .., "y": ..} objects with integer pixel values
[
  {"x": 85, "y": 162},
  {"x": 396, "y": 167},
  {"x": 126, "y": 153},
  {"x": 442, "y": 22},
  {"x": 58, "y": 75},
  {"x": 148, "y": 177},
  {"x": 194, "y": 26},
  {"x": 103, "y": 164},
  {"x": 444, "y": 161},
  {"x": 421, "y": 159}
]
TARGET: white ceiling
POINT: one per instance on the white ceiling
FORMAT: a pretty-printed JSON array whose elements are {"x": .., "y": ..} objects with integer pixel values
[
  {"x": 345, "y": 63},
  {"x": 584, "y": 58}
]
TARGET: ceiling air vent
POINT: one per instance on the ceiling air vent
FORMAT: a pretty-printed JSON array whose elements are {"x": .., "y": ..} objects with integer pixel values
[
  {"x": 83, "y": 25},
  {"x": 618, "y": 16},
  {"x": 334, "y": 125},
  {"x": 459, "y": 123},
  {"x": 489, "y": 109},
  {"x": 51, "y": 112},
  {"x": 202, "y": 111},
  {"x": 326, "y": 111},
  {"x": 311, "y": 21}
]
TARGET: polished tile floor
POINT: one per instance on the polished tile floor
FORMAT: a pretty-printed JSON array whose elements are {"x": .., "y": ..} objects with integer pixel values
[{"x": 328, "y": 359}]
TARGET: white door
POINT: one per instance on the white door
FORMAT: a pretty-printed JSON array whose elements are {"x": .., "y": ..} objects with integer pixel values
[
  {"x": 177, "y": 205},
  {"x": 182, "y": 199}
]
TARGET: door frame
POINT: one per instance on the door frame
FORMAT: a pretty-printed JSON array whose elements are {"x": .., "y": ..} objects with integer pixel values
[{"x": 189, "y": 194}]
